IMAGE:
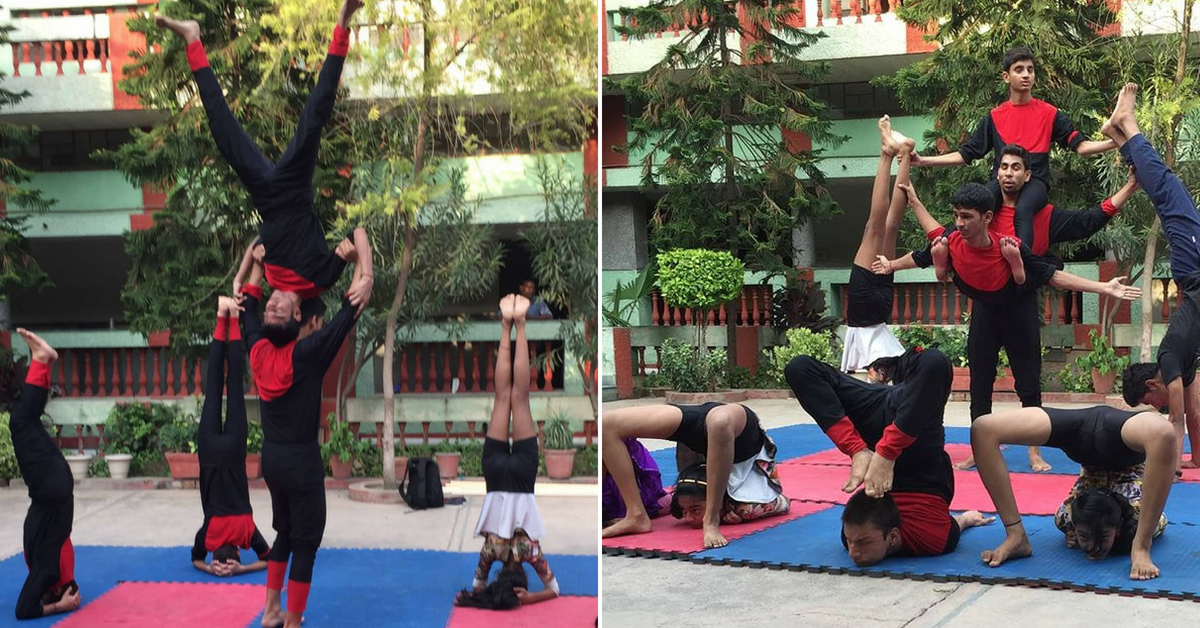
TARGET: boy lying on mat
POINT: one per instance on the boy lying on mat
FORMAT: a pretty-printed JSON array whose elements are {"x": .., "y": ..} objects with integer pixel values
[
  {"x": 896, "y": 439},
  {"x": 738, "y": 481},
  {"x": 1128, "y": 461}
]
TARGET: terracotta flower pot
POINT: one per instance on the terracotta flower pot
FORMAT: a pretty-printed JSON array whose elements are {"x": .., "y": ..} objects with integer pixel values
[
  {"x": 559, "y": 463},
  {"x": 79, "y": 466},
  {"x": 184, "y": 466},
  {"x": 118, "y": 465},
  {"x": 1102, "y": 383},
  {"x": 253, "y": 466},
  {"x": 448, "y": 464},
  {"x": 341, "y": 470},
  {"x": 401, "y": 467}
]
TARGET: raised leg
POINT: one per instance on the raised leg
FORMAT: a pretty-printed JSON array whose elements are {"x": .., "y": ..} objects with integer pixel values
[
  {"x": 501, "y": 404},
  {"x": 899, "y": 200},
  {"x": 874, "y": 231},
  {"x": 522, "y": 417}
]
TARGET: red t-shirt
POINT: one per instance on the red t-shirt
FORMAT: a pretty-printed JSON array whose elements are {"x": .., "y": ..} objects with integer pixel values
[
  {"x": 236, "y": 530},
  {"x": 982, "y": 268},
  {"x": 924, "y": 523},
  {"x": 1002, "y": 225}
]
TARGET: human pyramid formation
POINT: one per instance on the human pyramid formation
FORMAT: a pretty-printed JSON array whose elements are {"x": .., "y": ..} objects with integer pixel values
[
  {"x": 892, "y": 426},
  {"x": 291, "y": 348}
]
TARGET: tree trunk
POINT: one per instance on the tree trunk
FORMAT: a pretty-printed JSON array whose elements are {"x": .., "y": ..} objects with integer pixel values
[
  {"x": 728, "y": 193},
  {"x": 406, "y": 260},
  {"x": 1185, "y": 32}
]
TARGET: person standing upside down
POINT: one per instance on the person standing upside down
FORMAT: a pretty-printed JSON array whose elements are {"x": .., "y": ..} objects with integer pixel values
[
  {"x": 50, "y": 587},
  {"x": 224, "y": 493},
  {"x": 509, "y": 521},
  {"x": 295, "y": 255}
]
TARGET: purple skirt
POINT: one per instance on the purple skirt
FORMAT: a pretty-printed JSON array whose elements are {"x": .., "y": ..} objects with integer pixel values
[{"x": 645, "y": 470}]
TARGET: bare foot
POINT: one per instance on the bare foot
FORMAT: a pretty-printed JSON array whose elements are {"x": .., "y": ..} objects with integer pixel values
[
  {"x": 347, "y": 12},
  {"x": 1191, "y": 463},
  {"x": 885, "y": 135},
  {"x": 858, "y": 470},
  {"x": 273, "y": 618},
  {"x": 506, "y": 307},
  {"x": 1140, "y": 567},
  {"x": 1010, "y": 248},
  {"x": 520, "y": 306},
  {"x": 39, "y": 349},
  {"x": 969, "y": 463},
  {"x": 903, "y": 143},
  {"x": 628, "y": 525},
  {"x": 189, "y": 30},
  {"x": 713, "y": 537},
  {"x": 879, "y": 476},
  {"x": 1036, "y": 462},
  {"x": 1126, "y": 100},
  {"x": 1013, "y": 547}
]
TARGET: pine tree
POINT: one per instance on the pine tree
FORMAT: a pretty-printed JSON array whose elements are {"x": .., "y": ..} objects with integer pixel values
[
  {"x": 709, "y": 132},
  {"x": 190, "y": 254},
  {"x": 18, "y": 269}
]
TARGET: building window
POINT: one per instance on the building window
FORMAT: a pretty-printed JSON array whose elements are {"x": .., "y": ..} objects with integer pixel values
[
  {"x": 856, "y": 101},
  {"x": 57, "y": 151}
]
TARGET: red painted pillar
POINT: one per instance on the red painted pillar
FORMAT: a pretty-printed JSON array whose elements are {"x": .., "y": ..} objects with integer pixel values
[
  {"x": 623, "y": 362},
  {"x": 122, "y": 42}
]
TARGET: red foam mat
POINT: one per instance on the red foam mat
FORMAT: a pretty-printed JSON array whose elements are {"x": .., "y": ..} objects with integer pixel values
[
  {"x": 674, "y": 535},
  {"x": 568, "y": 611},
  {"x": 1037, "y": 494},
  {"x": 175, "y": 604}
]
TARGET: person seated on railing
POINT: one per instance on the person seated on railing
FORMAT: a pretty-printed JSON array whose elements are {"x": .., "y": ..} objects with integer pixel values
[
  {"x": 1134, "y": 453},
  {"x": 649, "y": 481},
  {"x": 740, "y": 480},
  {"x": 291, "y": 242},
  {"x": 224, "y": 493},
  {"x": 895, "y": 438},
  {"x": 50, "y": 587},
  {"x": 870, "y": 295},
  {"x": 1051, "y": 224},
  {"x": 509, "y": 521},
  {"x": 1170, "y": 381},
  {"x": 1027, "y": 121},
  {"x": 538, "y": 309},
  {"x": 1005, "y": 315}
]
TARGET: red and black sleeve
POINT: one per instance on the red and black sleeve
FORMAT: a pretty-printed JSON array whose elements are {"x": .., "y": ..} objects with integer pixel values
[
  {"x": 980, "y": 143},
  {"x": 320, "y": 348},
  {"x": 1064, "y": 133}
]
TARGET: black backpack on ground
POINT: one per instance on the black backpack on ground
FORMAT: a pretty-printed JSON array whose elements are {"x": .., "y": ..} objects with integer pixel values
[{"x": 421, "y": 486}]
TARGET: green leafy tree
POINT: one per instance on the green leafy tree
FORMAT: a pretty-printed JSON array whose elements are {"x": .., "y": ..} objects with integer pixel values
[
  {"x": 960, "y": 82},
  {"x": 701, "y": 280},
  {"x": 423, "y": 72},
  {"x": 563, "y": 243},
  {"x": 709, "y": 132},
  {"x": 190, "y": 254},
  {"x": 18, "y": 269}
]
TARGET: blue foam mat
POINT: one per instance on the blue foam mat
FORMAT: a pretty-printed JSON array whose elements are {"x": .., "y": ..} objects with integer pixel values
[
  {"x": 351, "y": 587},
  {"x": 812, "y": 542}
]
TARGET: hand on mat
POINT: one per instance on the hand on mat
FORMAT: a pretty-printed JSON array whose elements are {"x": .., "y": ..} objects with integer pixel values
[
  {"x": 972, "y": 518},
  {"x": 69, "y": 602},
  {"x": 221, "y": 569},
  {"x": 879, "y": 476},
  {"x": 858, "y": 470}
]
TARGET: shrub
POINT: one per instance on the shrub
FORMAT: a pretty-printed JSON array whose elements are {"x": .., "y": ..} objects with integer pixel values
[
  {"x": 586, "y": 461},
  {"x": 138, "y": 429},
  {"x": 343, "y": 443},
  {"x": 801, "y": 341},
  {"x": 254, "y": 438},
  {"x": 471, "y": 462},
  {"x": 699, "y": 278},
  {"x": 682, "y": 369},
  {"x": 1102, "y": 357},
  {"x": 558, "y": 433},
  {"x": 1075, "y": 379},
  {"x": 8, "y": 455}
]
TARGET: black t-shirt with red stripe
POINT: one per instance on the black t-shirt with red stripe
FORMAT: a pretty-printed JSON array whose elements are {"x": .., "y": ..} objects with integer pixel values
[{"x": 1034, "y": 126}]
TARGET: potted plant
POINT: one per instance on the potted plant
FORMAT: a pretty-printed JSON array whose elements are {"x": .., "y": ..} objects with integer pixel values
[
  {"x": 178, "y": 440},
  {"x": 79, "y": 463},
  {"x": 447, "y": 455},
  {"x": 1103, "y": 362},
  {"x": 559, "y": 447},
  {"x": 117, "y": 458},
  {"x": 8, "y": 456},
  {"x": 254, "y": 445},
  {"x": 341, "y": 449}
]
